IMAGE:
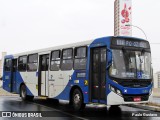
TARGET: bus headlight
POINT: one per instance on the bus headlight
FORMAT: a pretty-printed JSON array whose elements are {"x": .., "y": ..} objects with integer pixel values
[
  {"x": 119, "y": 92},
  {"x": 115, "y": 90}
]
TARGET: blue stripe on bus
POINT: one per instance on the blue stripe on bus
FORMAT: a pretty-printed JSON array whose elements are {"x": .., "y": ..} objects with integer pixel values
[
  {"x": 94, "y": 101},
  {"x": 103, "y": 101}
]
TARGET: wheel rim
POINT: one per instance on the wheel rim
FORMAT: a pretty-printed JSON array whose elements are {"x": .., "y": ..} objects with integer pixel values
[{"x": 77, "y": 99}]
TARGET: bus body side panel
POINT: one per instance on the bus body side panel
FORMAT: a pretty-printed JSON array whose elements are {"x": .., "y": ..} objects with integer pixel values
[
  {"x": 7, "y": 81},
  {"x": 63, "y": 92},
  {"x": 31, "y": 80},
  {"x": 80, "y": 81},
  {"x": 56, "y": 83},
  {"x": 68, "y": 84},
  {"x": 21, "y": 79},
  {"x": 59, "y": 84}
]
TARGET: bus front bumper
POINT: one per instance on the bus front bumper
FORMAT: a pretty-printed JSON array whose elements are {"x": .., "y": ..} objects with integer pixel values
[{"x": 115, "y": 99}]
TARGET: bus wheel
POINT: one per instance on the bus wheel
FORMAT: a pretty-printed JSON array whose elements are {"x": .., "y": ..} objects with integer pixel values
[
  {"x": 77, "y": 100},
  {"x": 23, "y": 93}
]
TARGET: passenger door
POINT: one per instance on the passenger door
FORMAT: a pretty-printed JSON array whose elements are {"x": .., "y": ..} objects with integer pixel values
[
  {"x": 43, "y": 75},
  {"x": 7, "y": 75},
  {"x": 98, "y": 74}
]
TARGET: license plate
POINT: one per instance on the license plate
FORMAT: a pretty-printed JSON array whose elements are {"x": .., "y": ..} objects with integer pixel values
[{"x": 137, "y": 99}]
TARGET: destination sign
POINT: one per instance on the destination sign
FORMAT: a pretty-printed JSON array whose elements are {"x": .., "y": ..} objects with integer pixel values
[{"x": 130, "y": 43}]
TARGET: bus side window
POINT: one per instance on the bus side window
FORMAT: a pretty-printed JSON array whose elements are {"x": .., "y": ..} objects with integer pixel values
[
  {"x": 32, "y": 62},
  {"x": 55, "y": 60},
  {"x": 67, "y": 59},
  {"x": 7, "y": 65},
  {"x": 22, "y": 63},
  {"x": 80, "y": 58}
]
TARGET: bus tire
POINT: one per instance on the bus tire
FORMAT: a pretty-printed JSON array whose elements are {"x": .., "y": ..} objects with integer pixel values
[
  {"x": 77, "y": 100},
  {"x": 23, "y": 94}
]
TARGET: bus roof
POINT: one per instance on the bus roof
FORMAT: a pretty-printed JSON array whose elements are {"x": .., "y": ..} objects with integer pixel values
[{"x": 83, "y": 43}]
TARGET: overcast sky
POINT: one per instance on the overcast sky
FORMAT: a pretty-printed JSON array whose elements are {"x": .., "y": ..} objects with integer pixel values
[{"x": 32, "y": 24}]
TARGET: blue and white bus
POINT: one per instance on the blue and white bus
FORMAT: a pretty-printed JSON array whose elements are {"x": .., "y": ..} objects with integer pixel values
[{"x": 109, "y": 70}]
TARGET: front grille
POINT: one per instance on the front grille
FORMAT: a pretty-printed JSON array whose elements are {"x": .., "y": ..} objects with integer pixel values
[
  {"x": 130, "y": 98},
  {"x": 134, "y": 84}
]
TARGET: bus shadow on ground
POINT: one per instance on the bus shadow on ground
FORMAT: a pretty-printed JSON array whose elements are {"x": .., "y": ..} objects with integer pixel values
[{"x": 91, "y": 111}]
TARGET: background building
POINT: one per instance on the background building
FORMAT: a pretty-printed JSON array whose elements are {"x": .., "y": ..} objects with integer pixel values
[
  {"x": 156, "y": 79},
  {"x": 1, "y": 63}
]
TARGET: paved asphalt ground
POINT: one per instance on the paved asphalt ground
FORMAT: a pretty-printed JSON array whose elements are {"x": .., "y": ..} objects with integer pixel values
[{"x": 63, "y": 111}]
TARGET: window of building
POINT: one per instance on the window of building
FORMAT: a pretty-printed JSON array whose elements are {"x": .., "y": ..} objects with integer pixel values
[
  {"x": 67, "y": 59},
  {"x": 32, "y": 62},
  {"x": 22, "y": 63},
  {"x": 55, "y": 60},
  {"x": 80, "y": 58},
  {"x": 7, "y": 65}
]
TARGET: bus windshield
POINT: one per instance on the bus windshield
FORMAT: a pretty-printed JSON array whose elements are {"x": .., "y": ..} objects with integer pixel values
[{"x": 129, "y": 64}]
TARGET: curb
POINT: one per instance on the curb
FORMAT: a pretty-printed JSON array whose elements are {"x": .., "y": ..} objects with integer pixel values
[{"x": 145, "y": 107}]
